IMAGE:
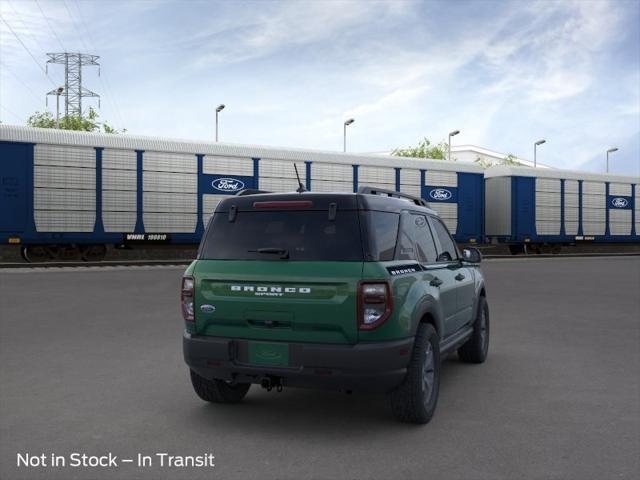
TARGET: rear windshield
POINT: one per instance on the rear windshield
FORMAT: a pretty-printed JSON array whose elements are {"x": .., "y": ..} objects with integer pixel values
[{"x": 284, "y": 235}]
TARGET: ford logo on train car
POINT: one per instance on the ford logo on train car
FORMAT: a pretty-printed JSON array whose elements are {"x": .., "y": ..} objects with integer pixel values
[
  {"x": 440, "y": 194},
  {"x": 228, "y": 184},
  {"x": 619, "y": 202}
]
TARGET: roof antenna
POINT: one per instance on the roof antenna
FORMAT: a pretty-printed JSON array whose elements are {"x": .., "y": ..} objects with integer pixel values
[{"x": 300, "y": 188}]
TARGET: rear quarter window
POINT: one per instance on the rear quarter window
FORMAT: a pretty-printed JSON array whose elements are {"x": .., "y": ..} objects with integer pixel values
[
  {"x": 415, "y": 241},
  {"x": 382, "y": 229}
]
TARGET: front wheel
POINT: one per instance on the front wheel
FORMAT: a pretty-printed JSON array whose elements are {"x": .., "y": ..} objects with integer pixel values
[
  {"x": 218, "y": 391},
  {"x": 475, "y": 349},
  {"x": 414, "y": 401}
]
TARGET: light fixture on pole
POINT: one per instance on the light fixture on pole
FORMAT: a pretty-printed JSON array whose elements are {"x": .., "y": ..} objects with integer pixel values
[
  {"x": 535, "y": 152},
  {"x": 611, "y": 150},
  {"x": 219, "y": 108},
  {"x": 344, "y": 137},
  {"x": 451, "y": 134},
  {"x": 59, "y": 91}
]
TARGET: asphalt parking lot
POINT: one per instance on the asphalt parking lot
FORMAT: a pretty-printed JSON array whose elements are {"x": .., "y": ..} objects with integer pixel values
[{"x": 91, "y": 361}]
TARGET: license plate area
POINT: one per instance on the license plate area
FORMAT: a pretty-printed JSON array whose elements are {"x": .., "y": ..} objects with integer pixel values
[{"x": 268, "y": 354}]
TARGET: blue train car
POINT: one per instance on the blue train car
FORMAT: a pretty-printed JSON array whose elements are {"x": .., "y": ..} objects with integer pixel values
[
  {"x": 543, "y": 209},
  {"x": 64, "y": 191}
]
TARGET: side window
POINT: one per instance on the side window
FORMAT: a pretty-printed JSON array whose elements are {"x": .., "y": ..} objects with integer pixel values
[
  {"x": 448, "y": 250},
  {"x": 424, "y": 240},
  {"x": 415, "y": 241}
]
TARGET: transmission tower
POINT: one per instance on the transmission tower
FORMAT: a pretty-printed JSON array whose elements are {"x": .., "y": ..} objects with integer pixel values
[{"x": 74, "y": 92}]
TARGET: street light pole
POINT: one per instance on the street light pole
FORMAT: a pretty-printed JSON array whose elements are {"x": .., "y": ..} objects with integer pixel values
[
  {"x": 535, "y": 152},
  {"x": 611, "y": 150},
  {"x": 219, "y": 108},
  {"x": 452, "y": 134},
  {"x": 59, "y": 91},
  {"x": 344, "y": 136}
]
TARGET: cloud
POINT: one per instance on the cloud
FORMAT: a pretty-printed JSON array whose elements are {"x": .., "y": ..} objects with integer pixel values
[
  {"x": 268, "y": 28},
  {"x": 291, "y": 72}
]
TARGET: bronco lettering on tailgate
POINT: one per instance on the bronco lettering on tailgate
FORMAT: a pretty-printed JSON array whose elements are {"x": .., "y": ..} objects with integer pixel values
[{"x": 269, "y": 291}]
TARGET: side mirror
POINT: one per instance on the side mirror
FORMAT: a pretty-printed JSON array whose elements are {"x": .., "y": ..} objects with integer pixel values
[{"x": 471, "y": 255}]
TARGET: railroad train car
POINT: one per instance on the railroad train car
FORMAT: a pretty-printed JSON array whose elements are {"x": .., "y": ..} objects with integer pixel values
[
  {"x": 66, "y": 193},
  {"x": 543, "y": 209}
]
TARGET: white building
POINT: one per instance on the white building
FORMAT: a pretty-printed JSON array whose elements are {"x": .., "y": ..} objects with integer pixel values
[{"x": 470, "y": 153}]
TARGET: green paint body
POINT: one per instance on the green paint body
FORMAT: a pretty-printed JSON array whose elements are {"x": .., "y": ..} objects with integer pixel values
[{"x": 305, "y": 301}]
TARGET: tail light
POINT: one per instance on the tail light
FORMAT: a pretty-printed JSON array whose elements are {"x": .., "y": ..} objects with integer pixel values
[
  {"x": 375, "y": 304},
  {"x": 186, "y": 299}
]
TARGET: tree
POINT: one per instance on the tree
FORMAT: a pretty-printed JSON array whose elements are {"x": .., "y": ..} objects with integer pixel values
[
  {"x": 89, "y": 123},
  {"x": 483, "y": 162},
  {"x": 510, "y": 160},
  {"x": 424, "y": 149}
]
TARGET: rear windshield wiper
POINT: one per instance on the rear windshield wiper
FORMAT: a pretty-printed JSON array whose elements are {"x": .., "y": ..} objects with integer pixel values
[{"x": 283, "y": 252}]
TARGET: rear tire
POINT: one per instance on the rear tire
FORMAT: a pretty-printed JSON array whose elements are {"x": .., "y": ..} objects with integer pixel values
[
  {"x": 476, "y": 348},
  {"x": 218, "y": 391},
  {"x": 415, "y": 400}
]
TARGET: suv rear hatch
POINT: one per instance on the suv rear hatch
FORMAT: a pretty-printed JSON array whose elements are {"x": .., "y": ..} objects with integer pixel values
[{"x": 281, "y": 270}]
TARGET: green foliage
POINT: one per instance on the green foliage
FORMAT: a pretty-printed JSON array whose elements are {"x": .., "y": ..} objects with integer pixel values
[
  {"x": 424, "y": 149},
  {"x": 483, "y": 162},
  {"x": 88, "y": 123},
  {"x": 509, "y": 160}
]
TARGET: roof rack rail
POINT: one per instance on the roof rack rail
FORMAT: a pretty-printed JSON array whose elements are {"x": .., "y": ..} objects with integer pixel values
[
  {"x": 392, "y": 193},
  {"x": 250, "y": 191}
]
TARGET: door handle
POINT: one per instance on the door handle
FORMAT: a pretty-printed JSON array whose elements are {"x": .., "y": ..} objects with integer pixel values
[
  {"x": 459, "y": 277},
  {"x": 436, "y": 282}
]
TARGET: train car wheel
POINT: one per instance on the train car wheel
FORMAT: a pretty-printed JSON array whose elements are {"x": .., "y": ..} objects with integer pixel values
[
  {"x": 556, "y": 248},
  {"x": 93, "y": 253},
  {"x": 531, "y": 249},
  {"x": 516, "y": 249},
  {"x": 34, "y": 253}
]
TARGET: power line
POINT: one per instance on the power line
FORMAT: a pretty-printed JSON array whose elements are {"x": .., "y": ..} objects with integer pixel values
[
  {"x": 24, "y": 25},
  {"x": 75, "y": 27},
  {"x": 20, "y": 81},
  {"x": 10, "y": 112},
  {"x": 28, "y": 51},
  {"x": 50, "y": 27},
  {"x": 106, "y": 84}
]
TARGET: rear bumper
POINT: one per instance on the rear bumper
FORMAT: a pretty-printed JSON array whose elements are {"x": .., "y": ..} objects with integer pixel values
[{"x": 372, "y": 367}]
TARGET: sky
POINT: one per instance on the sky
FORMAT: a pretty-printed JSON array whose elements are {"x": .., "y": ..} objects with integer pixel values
[{"x": 505, "y": 73}]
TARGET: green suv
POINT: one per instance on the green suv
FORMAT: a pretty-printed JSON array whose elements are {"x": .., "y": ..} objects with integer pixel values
[{"x": 358, "y": 291}]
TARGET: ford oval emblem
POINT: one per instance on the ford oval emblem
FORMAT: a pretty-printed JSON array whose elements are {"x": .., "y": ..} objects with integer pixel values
[
  {"x": 228, "y": 184},
  {"x": 440, "y": 194},
  {"x": 207, "y": 308},
  {"x": 619, "y": 202}
]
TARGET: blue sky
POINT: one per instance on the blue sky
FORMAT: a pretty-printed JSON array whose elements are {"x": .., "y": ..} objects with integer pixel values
[{"x": 504, "y": 73}]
